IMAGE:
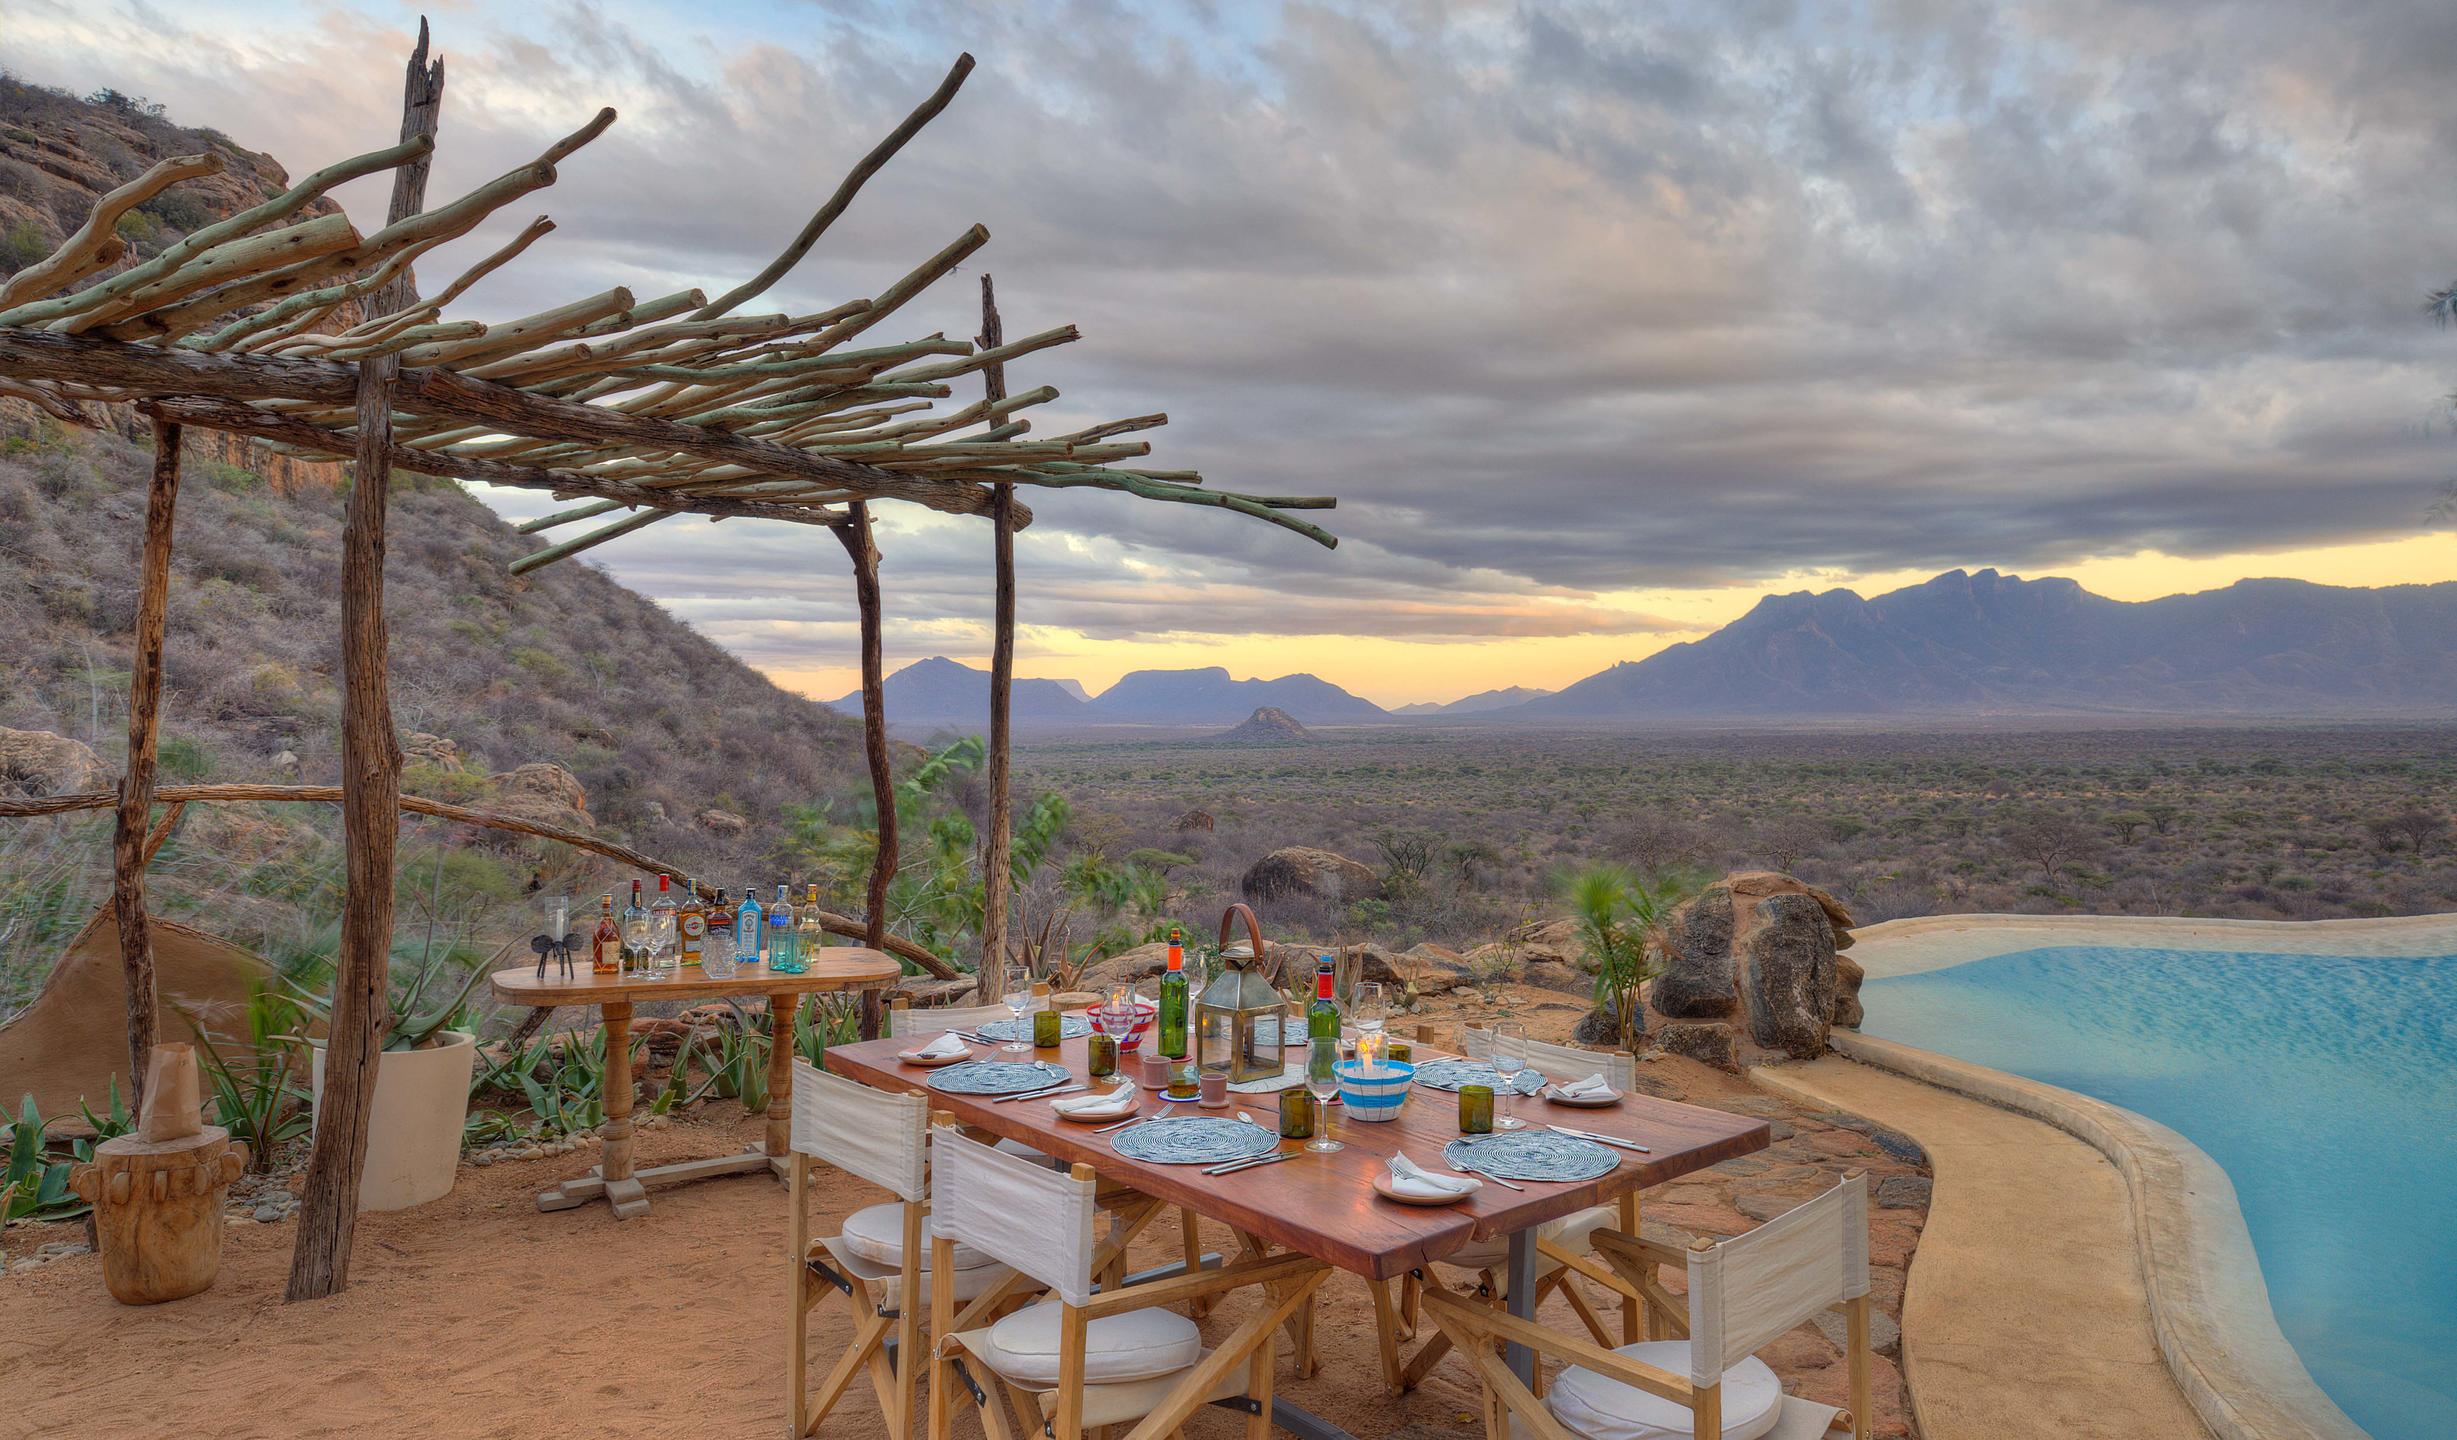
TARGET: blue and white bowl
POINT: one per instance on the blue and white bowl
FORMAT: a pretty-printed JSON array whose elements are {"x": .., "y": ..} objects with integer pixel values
[{"x": 1377, "y": 1096}]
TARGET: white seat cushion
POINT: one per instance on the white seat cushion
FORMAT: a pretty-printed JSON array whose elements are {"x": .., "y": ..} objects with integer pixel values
[
  {"x": 876, "y": 1233},
  {"x": 1570, "y": 1232},
  {"x": 1137, "y": 1345},
  {"x": 1599, "y": 1409}
]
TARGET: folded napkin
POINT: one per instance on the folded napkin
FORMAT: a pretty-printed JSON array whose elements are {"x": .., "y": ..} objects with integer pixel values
[
  {"x": 1414, "y": 1180},
  {"x": 945, "y": 1045},
  {"x": 1116, "y": 1102},
  {"x": 1591, "y": 1088}
]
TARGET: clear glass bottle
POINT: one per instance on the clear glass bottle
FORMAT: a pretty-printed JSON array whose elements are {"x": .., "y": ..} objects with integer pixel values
[
  {"x": 636, "y": 932},
  {"x": 809, "y": 931},
  {"x": 784, "y": 941},
  {"x": 750, "y": 922},
  {"x": 662, "y": 923}
]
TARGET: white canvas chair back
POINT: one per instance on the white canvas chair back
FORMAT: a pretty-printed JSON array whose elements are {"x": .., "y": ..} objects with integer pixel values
[
  {"x": 882, "y": 1138},
  {"x": 1562, "y": 1064},
  {"x": 1753, "y": 1287},
  {"x": 1030, "y": 1217},
  {"x": 906, "y": 1022}
]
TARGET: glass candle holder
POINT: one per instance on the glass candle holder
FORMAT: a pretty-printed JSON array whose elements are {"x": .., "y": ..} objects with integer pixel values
[
  {"x": 1296, "y": 1114},
  {"x": 1475, "y": 1109},
  {"x": 1402, "y": 1051},
  {"x": 1046, "y": 1027},
  {"x": 1101, "y": 1055}
]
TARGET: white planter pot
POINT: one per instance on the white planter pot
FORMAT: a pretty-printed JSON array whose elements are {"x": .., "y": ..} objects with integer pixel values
[{"x": 414, "y": 1128}]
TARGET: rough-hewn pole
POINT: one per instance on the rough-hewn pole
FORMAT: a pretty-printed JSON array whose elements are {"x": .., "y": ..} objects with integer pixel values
[
  {"x": 857, "y": 541},
  {"x": 370, "y": 784},
  {"x": 129, "y": 850},
  {"x": 995, "y": 877}
]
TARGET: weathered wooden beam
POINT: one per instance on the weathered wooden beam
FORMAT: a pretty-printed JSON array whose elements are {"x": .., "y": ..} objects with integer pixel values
[
  {"x": 858, "y": 544},
  {"x": 422, "y": 113},
  {"x": 96, "y": 246},
  {"x": 136, "y": 783},
  {"x": 996, "y": 880},
  {"x": 564, "y": 550}
]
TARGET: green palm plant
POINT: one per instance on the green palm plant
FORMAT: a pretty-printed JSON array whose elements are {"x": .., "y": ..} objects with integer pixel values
[{"x": 1621, "y": 916}]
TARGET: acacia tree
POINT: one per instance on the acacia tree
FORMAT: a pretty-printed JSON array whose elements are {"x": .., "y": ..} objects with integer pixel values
[{"x": 2050, "y": 839}]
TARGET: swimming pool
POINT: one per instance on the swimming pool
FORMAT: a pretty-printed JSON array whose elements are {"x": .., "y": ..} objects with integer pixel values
[{"x": 2325, "y": 1086}]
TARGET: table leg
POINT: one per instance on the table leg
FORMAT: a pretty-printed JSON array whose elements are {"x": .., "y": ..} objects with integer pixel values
[
  {"x": 1522, "y": 1281},
  {"x": 780, "y": 1075}
]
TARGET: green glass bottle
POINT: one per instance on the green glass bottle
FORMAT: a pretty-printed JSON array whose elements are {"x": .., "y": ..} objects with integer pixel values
[
  {"x": 1322, "y": 1025},
  {"x": 1173, "y": 999}
]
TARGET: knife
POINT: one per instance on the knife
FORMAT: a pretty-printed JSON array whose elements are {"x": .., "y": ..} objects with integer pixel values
[
  {"x": 1254, "y": 1162},
  {"x": 1037, "y": 1094},
  {"x": 1602, "y": 1139}
]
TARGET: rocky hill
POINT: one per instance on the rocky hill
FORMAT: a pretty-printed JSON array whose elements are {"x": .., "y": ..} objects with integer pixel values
[
  {"x": 1975, "y": 643},
  {"x": 1266, "y": 726},
  {"x": 1209, "y": 696},
  {"x": 943, "y": 692}
]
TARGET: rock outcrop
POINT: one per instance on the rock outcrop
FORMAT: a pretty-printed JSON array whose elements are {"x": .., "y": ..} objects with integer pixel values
[
  {"x": 1756, "y": 956},
  {"x": 1269, "y": 725},
  {"x": 1194, "y": 821},
  {"x": 37, "y": 762},
  {"x": 544, "y": 792},
  {"x": 1300, "y": 872}
]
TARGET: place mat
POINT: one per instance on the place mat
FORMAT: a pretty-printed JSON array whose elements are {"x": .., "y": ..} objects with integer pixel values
[
  {"x": 998, "y": 1077},
  {"x": 1532, "y": 1155},
  {"x": 1070, "y": 1027},
  {"x": 1202, "y": 1140},
  {"x": 1452, "y": 1074}
]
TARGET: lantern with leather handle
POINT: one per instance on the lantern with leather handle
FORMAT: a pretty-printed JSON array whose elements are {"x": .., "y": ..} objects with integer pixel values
[{"x": 1237, "y": 1029}]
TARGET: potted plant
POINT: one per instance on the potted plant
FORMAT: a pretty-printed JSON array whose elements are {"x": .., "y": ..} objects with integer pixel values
[{"x": 421, "y": 1090}]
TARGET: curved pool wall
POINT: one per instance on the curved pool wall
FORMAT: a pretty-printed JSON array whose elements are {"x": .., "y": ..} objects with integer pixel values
[{"x": 2315, "y": 1063}]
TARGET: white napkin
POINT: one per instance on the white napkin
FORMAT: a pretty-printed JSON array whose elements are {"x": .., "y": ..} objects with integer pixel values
[
  {"x": 1116, "y": 1102},
  {"x": 1591, "y": 1088},
  {"x": 1414, "y": 1180},
  {"x": 945, "y": 1045}
]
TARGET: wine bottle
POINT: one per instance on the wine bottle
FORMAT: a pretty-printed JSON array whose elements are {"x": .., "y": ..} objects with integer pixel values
[
  {"x": 1173, "y": 999},
  {"x": 1322, "y": 1025}
]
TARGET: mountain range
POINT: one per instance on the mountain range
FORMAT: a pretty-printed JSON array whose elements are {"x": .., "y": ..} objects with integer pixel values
[
  {"x": 1971, "y": 643},
  {"x": 1963, "y": 643}
]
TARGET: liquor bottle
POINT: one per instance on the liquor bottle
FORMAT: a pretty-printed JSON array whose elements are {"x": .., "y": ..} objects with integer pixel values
[
  {"x": 809, "y": 932},
  {"x": 1173, "y": 998},
  {"x": 691, "y": 924},
  {"x": 661, "y": 923},
  {"x": 784, "y": 942},
  {"x": 717, "y": 952},
  {"x": 635, "y": 934},
  {"x": 720, "y": 916},
  {"x": 606, "y": 945},
  {"x": 749, "y": 922},
  {"x": 1322, "y": 1026}
]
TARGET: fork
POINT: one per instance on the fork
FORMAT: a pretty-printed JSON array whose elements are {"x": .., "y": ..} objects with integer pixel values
[{"x": 1479, "y": 1174}]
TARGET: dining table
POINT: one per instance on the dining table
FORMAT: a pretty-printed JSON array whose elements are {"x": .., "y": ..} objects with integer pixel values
[
  {"x": 1323, "y": 1204},
  {"x": 834, "y": 969}
]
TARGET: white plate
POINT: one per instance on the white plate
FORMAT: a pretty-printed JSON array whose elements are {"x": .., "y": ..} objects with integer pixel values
[
  {"x": 1582, "y": 1102},
  {"x": 1096, "y": 1117},
  {"x": 1382, "y": 1187}
]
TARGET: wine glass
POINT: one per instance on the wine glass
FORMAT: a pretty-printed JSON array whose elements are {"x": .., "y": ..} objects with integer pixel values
[
  {"x": 1368, "y": 1006},
  {"x": 1322, "y": 1082},
  {"x": 1017, "y": 980},
  {"x": 636, "y": 935},
  {"x": 1509, "y": 1058}
]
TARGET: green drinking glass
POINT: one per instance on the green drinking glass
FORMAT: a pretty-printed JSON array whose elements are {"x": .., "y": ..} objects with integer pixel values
[{"x": 1475, "y": 1109}]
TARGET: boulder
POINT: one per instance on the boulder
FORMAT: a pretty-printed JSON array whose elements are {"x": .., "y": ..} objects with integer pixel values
[
  {"x": 1752, "y": 885},
  {"x": 1302, "y": 872},
  {"x": 420, "y": 748},
  {"x": 723, "y": 822},
  {"x": 1847, "y": 978},
  {"x": 1555, "y": 940},
  {"x": 544, "y": 792},
  {"x": 37, "y": 762},
  {"x": 1597, "y": 1030},
  {"x": 1553, "y": 975},
  {"x": 1698, "y": 982},
  {"x": 1788, "y": 975},
  {"x": 1193, "y": 821},
  {"x": 1701, "y": 1040}
]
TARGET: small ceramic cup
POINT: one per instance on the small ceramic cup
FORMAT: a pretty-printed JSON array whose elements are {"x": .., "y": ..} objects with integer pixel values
[
  {"x": 1155, "y": 1071},
  {"x": 1214, "y": 1088}
]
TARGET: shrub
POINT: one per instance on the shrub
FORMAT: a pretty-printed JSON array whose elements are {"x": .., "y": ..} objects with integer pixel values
[
  {"x": 184, "y": 759},
  {"x": 21, "y": 245}
]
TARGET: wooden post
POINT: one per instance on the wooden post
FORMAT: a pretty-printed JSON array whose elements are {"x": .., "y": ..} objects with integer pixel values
[
  {"x": 370, "y": 780},
  {"x": 129, "y": 848},
  {"x": 995, "y": 877},
  {"x": 857, "y": 542}
]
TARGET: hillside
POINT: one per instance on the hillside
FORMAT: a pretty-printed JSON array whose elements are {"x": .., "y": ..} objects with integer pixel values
[
  {"x": 1975, "y": 643},
  {"x": 1208, "y": 696},
  {"x": 1482, "y": 702}
]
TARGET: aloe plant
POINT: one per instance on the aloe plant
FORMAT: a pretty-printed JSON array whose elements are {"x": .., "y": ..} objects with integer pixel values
[
  {"x": 37, "y": 1187},
  {"x": 255, "y": 1095}
]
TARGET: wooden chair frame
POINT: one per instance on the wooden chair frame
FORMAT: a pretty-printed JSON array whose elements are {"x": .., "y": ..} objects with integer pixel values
[{"x": 1290, "y": 1279}]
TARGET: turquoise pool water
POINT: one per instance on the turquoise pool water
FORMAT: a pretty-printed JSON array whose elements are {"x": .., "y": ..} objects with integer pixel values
[{"x": 2325, "y": 1086}]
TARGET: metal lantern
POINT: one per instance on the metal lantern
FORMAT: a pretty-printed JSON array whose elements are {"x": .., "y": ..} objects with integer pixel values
[{"x": 1237, "y": 1021}]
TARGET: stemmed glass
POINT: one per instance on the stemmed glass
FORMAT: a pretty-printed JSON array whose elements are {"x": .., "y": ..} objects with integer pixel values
[
  {"x": 1322, "y": 1083},
  {"x": 1368, "y": 1006},
  {"x": 637, "y": 933},
  {"x": 1509, "y": 1058},
  {"x": 1018, "y": 982}
]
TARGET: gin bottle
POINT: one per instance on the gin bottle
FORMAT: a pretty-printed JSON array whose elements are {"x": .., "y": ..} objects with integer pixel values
[{"x": 784, "y": 941}]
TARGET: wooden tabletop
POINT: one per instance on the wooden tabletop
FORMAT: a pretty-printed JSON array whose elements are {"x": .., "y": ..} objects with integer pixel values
[
  {"x": 1325, "y": 1205},
  {"x": 839, "y": 967}
]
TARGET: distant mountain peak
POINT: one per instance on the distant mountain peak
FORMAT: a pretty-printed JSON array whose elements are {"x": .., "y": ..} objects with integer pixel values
[{"x": 1268, "y": 725}]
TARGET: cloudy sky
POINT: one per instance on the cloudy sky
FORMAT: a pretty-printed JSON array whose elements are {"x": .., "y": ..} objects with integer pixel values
[{"x": 1602, "y": 320}]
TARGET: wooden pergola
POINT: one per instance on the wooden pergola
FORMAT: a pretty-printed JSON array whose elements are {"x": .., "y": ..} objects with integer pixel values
[{"x": 310, "y": 338}]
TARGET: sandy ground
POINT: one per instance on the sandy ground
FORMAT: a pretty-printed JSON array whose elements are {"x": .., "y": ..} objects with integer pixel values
[{"x": 478, "y": 1316}]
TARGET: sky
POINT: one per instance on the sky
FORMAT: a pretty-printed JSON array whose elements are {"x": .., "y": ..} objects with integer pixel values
[{"x": 1602, "y": 320}]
